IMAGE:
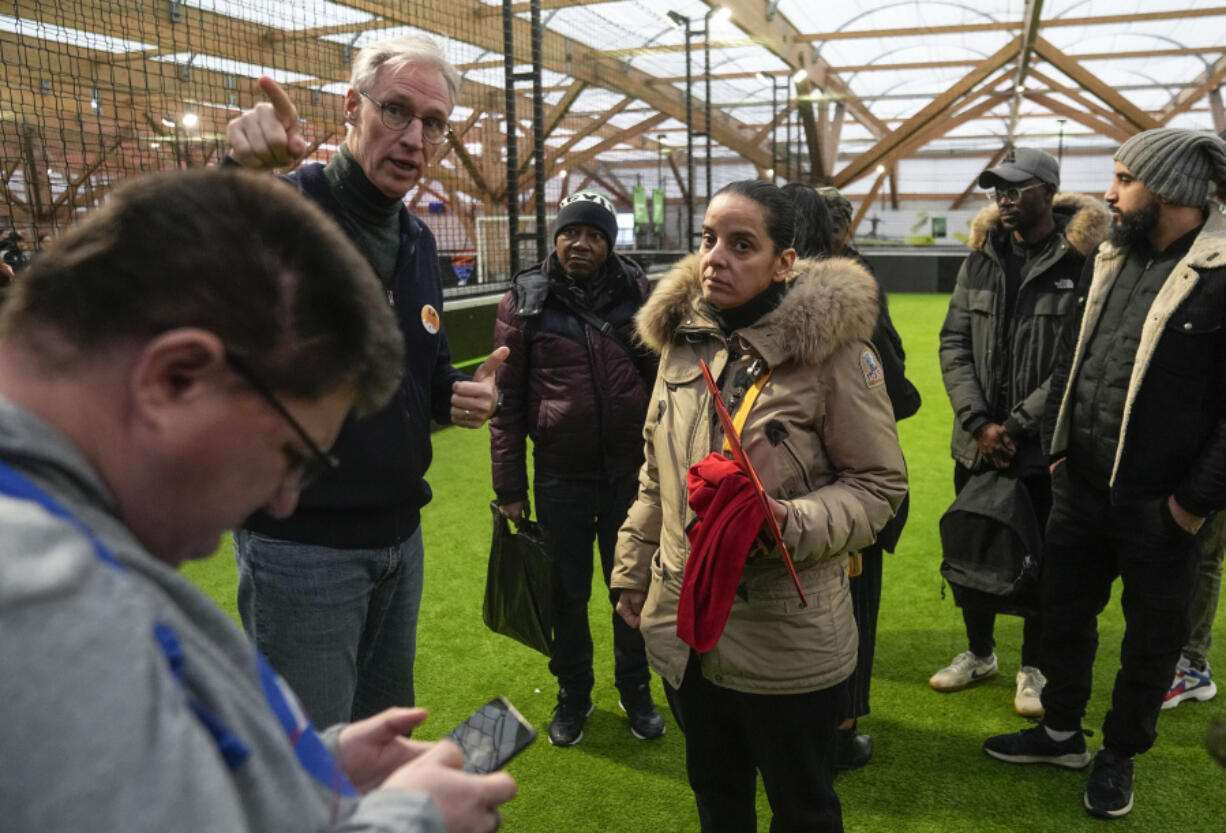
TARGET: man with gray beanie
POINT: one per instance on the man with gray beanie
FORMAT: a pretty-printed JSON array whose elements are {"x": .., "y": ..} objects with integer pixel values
[
  {"x": 1138, "y": 448},
  {"x": 577, "y": 382}
]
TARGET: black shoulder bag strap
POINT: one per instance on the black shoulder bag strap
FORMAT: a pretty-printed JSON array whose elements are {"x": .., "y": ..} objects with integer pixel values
[{"x": 606, "y": 329}]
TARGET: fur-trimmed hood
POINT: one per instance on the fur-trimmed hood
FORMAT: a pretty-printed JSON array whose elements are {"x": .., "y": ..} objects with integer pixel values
[
  {"x": 1085, "y": 221},
  {"x": 829, "y": 303}
]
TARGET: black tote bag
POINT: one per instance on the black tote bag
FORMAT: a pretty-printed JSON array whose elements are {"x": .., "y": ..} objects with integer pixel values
[{"x": 519, "y": 585}]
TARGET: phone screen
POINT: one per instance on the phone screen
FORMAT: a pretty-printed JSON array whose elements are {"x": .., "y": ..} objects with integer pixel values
[{"x": 493, "y": 735}]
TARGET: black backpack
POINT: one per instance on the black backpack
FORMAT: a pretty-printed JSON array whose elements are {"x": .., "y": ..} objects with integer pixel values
[{"x": 993, "y": 545}]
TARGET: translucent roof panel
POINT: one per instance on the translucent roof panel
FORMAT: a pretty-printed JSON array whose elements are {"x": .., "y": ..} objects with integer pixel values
[
  {"x": 305, "y": 13},
  {"x": 628, "y": 119},
  {"x": 593, "y": 101},
  {"x": 670, "y": 124},
  {"x": 1189, "y": 31},
  {"x": 607, "y": 26},
  {"x": 491, "y": 77},
  {"x": 38, "y": 30},
  {"x": 586, "y": 142},
  {"x": 458, "y": 52},
  {"x": 932, "y": 45},
  {"x": 233, "y": 67},
  {"x": 621, "y": 155},
  {"x": 750, "y": 114},
  {"x": 876, "y": 64}
]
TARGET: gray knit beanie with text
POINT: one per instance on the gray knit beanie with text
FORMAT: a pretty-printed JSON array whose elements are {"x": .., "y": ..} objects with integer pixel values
[{"x": 1175, "y": 163}]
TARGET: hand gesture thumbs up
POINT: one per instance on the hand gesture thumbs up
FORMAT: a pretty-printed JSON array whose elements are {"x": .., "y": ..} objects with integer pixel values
[
  {"x": 472, "y": 403},
  {"x": 488, "y": 368}
]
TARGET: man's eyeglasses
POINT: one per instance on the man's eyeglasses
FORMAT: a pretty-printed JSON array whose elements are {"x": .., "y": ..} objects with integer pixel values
[
  {"x": 303, "y": 469},
  {"x": 1013, "y": 194},
  {"x": 399, "y": 117}
]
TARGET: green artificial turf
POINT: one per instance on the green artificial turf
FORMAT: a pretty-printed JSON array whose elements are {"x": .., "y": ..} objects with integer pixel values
[{"x": 928, "y": 773}]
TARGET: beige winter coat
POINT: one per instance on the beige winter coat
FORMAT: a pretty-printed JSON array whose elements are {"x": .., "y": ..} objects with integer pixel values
[{"x": 834, "y": 463}]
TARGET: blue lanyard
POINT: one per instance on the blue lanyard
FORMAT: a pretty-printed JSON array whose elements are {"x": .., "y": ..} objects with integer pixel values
[{"x": 306, "y": 742}]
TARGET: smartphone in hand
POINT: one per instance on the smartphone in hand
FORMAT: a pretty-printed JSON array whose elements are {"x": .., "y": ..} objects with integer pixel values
[{"x": 491, "y": 736}]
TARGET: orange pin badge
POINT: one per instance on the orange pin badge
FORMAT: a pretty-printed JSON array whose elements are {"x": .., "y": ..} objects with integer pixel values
[{"x": 430, "y": 319}]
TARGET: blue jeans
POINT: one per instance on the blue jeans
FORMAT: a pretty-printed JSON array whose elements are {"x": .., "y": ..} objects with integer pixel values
[
  {"x": 576, "y": 513},
  {"x": 339, "y": 625}
]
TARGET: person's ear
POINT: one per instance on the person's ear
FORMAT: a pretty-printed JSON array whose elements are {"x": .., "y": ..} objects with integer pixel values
[
  {"x": 353, "y": 100},
  {"x": 176, "y": 369},
  {"x": 786, "y": 260}
]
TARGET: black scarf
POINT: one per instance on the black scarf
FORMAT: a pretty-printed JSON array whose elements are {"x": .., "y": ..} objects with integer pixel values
[{"x": 736, "y": 318}]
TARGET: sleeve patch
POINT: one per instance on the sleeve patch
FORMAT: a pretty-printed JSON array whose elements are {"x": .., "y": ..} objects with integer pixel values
[{"x": 874, "y": 375}]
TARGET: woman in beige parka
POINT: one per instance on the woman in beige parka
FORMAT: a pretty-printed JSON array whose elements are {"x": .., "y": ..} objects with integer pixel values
[{"x": 821, "y": 434}]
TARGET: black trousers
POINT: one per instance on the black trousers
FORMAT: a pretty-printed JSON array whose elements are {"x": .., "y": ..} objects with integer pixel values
[
  {"x": 981, "y": 635},
  {"x": 731, "y": 736},
  {"x": 576, "y": 513},
  {"x": 865, "y": 604},
  {"x": 1090, "y": 541},
  {"x": 981, "y": 623}
]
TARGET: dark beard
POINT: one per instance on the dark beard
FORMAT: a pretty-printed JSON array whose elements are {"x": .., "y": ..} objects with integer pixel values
[{"x": 1135, "y": 227}]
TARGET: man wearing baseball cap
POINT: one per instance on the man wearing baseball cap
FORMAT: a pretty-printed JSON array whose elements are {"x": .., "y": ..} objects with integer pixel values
[
  {"x": 577, "y": 382},
  {"x": 1137, "y": 422},
  {"x": 998, "y": 345}
]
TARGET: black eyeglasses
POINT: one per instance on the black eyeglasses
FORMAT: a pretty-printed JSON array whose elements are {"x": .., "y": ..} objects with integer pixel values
[
  {"x": 1013, "y": 194},
  {"x": 399, "y": 117},
  {"x": 307, "y": 469}
]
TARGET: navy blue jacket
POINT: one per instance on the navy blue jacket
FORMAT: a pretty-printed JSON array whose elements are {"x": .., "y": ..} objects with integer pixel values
[{"x": 374, "y": 499}]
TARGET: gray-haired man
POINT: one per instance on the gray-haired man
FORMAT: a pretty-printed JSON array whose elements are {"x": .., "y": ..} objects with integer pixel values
[{"x": 331, "y": 594}]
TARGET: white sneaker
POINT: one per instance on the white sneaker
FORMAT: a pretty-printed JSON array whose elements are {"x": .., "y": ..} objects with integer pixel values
[
  {"x": 1030, "y": 682},
  {"x": 965, "y": 670}
]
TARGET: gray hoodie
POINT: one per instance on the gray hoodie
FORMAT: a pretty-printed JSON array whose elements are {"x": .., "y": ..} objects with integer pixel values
[{"x": 128, "y": 700}]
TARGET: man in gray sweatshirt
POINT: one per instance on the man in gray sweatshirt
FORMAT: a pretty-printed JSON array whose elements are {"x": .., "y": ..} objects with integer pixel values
[{"x": 169, "y": 365}]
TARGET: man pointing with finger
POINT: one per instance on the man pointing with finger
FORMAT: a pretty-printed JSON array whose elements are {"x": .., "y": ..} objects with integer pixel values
[{"x": 331, "y": 594}]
